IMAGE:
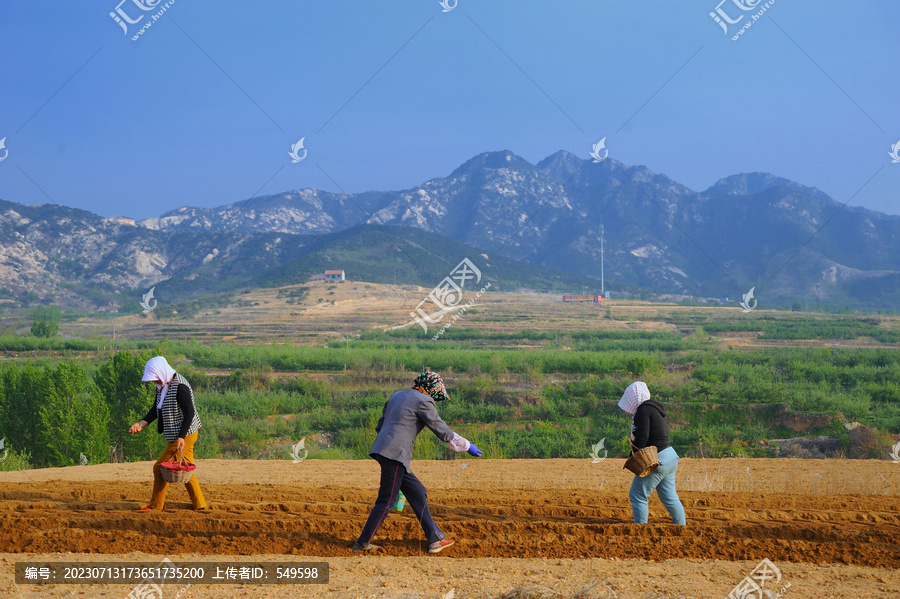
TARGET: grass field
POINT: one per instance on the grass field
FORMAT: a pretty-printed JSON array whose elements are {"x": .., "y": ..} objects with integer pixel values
[{"x": 531, "y": 376}]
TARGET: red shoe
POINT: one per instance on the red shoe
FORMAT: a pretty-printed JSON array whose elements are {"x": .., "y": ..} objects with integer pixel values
[
  {"x": 146, "y": 508},
  {"x": 440, "y": 545}
]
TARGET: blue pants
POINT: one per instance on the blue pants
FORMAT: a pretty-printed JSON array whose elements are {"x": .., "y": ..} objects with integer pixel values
[
  {"x": 663, "y": 480},
  {"x": 395, "y": 478}
]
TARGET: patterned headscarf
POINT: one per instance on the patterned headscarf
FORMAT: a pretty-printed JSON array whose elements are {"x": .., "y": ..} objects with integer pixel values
[
  {"x": 636, "y": 394},
  {"x": 432, "y": 384}
]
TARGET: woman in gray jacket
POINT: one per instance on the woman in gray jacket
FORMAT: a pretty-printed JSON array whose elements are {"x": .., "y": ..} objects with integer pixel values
[{"x": 404, "y": 416}]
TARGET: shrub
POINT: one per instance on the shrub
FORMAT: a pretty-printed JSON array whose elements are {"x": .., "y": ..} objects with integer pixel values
[{"x": 45, "y": 328}]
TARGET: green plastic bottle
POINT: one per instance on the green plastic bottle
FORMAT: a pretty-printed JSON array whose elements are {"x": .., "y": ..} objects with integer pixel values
[{"x": 401, "y": 503}]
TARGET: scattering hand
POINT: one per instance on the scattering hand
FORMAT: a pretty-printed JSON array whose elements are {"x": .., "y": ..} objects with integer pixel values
[{"x": 474, "y": 451}]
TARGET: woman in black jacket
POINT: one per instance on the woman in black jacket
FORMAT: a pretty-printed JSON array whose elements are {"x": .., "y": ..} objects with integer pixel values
[
  {"x": 649, "y": 428},
  {"x": 177, "y": 420}
]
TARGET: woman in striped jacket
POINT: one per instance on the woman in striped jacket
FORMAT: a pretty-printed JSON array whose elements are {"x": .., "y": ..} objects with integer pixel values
[{"x": 177, "y": 420}]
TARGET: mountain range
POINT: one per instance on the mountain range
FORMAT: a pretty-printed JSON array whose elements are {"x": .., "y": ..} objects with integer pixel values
[{"x": 790, "y": 242}]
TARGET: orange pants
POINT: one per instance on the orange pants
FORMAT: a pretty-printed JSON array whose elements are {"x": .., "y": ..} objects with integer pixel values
[{"x": 158, "y": 499}]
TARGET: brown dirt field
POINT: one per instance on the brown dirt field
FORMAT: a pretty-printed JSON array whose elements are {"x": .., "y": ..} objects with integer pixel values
[{"x": 832, "y": 527}]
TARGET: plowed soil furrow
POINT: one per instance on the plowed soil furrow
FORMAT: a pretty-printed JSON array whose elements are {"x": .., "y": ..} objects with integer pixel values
[{"x": 92, "y": 517}]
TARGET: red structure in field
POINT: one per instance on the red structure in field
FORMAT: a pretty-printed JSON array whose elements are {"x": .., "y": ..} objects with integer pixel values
[{"x": 595, "y": 299}]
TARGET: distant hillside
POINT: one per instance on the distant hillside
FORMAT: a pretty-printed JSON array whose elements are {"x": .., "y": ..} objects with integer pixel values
[
  {"x": 381, "y": 254},
  {"x": 791, "y": 242},
  {"x": 84, "y": 262}
]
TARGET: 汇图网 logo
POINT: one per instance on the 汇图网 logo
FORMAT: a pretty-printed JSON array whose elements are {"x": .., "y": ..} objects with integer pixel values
[
  {"x": 595, "y": 452},
  {"x": 152, "y": 587},
  {"x": 447, "y": 297},
  {"x": 723, "y": 19},
  {"x": 297, "y": 448},
  {"x": 894, "y": 153},
  {"x": 595, "y": 152},
  {"x": 145, "y": 302},
  {"x": 746, "y": 303},
  {"x": 754, "y": 586},
  {"x": 295, "y": 151},
  {"x": 123, "y": 19}
]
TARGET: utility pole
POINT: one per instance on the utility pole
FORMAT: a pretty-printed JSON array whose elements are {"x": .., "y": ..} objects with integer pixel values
[{"x": 602, "y": 282}]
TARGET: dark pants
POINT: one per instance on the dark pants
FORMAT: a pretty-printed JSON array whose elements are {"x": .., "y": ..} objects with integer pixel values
[{"x": 395, "y": 478}]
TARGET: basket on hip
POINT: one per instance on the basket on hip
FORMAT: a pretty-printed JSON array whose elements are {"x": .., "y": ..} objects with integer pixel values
[
  {"x": 177, "y": 472},
  {"x": 642, "y": 461}
]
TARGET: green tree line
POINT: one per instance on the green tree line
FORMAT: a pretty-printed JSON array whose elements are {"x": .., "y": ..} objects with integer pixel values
[
  {"x": 514, "y": 402},
  {"x": 52, "y": 415}
]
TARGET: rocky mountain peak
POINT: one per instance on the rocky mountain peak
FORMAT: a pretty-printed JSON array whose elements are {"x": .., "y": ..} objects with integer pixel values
[
  {"x": 744, "y": 184},
  {"x": 504, "y": 159},
  {"x": 659, "y": 234}
]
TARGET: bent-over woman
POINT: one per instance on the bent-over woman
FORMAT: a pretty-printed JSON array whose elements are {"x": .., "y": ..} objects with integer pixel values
[
  {"x": 177, "y": 420},
  {"x": 404, "y": 416},
  {"x": 649, "y": 427}
]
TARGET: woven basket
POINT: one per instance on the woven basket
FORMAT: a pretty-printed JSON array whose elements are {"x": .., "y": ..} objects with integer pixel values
[
  {"x": 177, "y": 472},
  {"x": 642, "y": 461}
]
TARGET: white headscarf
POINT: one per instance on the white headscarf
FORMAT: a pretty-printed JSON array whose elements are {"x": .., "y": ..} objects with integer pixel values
[
  {"x": 158, "y": 369},
  {"x": 636, "y": 394}
]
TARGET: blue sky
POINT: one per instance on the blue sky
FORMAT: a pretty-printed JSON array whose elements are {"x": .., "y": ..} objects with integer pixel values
[{"x": 203, "y": 109}]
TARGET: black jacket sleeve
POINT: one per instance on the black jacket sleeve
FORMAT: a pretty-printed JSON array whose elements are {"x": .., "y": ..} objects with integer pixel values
[
  {"x": 151, "y": 415},
  {"x": 183, "y": 397},
  {"x": 641, "y": 428}
]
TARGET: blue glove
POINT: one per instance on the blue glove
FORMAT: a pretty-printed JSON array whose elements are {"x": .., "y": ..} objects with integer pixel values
[{"x": 474, "y": 451}]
